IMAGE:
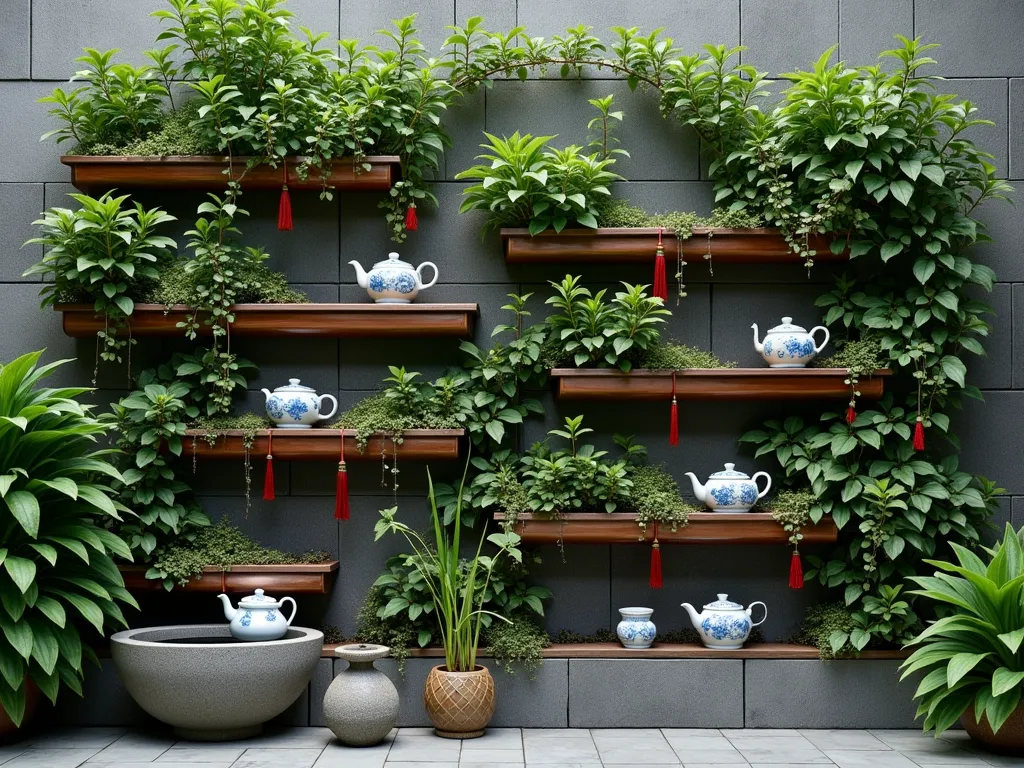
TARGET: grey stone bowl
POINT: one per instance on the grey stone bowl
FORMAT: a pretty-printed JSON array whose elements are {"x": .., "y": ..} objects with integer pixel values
[{"x": 214, "y": 691}]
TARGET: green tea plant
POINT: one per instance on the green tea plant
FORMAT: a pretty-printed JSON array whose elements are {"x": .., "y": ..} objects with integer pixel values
[
  {"x": 59, "y": 578},
  {"x": 102, "y": 252},
  {"x": 524, "y": 183}
]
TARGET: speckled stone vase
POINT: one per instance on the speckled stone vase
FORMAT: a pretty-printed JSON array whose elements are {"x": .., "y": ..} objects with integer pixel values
[
  {"x": 361, "y": 705},
  {"x": 459, "y": 704}
]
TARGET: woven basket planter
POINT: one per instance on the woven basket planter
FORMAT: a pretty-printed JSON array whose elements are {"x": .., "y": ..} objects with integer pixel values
[{"x": 459, "y": 704}]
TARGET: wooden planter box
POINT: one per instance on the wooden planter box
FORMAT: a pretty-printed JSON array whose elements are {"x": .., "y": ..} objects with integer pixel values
[
  {"x": 351, "y": 321},
  {"x": 308, "y": 579},
  {"x": 325, "y": 445},
  {"x": 704, "y": 528},
  {"x": 621, "y": 244},
  {"x": 208, "y": 172},
  {"x": 713, "y": 384}
]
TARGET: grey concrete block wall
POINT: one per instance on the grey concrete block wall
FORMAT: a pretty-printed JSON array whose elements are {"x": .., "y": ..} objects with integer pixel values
[{"x": 40, "y": 38}]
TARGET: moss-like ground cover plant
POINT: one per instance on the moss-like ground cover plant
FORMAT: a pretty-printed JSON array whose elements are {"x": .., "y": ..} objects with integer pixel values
[
  {"x": 59, "y": 580},
  {"x": 971, "y": 657}
]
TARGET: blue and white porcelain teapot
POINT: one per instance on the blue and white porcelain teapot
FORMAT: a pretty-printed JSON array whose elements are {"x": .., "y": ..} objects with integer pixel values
[
  {"x": 730, "y": 490},
  {"x": 393, "y": 281},
  {"x": 258, "y": 617},
  {"x": 295, "y": 406},
  {"x": 788, "y": 345},
  {"x": 724, "y": 624}
]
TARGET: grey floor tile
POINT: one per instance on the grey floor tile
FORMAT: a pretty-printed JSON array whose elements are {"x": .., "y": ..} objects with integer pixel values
[
  {"x": 1013, "y": 761},
  {"x": 11, "y": 752},
  {"x": 555, "y": 733},
  {"x": 571, "y": 749},
  {"x": 640, "y": 735},
  {"x": 292, "y": 738},
  {"x": 709, "y": 756},
  {"x": 464, "y": 764},
  {"x": 754, "y": 733},
  {"x": 193, "y": 752},
  {"x": 115, "y": 754},
  {"x": 955, "y": 756},
  {"x": 782, "y": 755},
  {"x": 412, "y": 749},
  {"x": 420, "y": 764},
  {"x": 623, "y": 752},
  {"x": 471, "y": 754},
  {"x": 148, "y": 764},
  {"x": 416, "y": 731},
  {"x": 263, "y": 757},
  {"x": 717, "y": 765},
  {"x": 899, "y": 739},
  {"x": 497, "y": 738},
  {"x": 690, "y": 733},
  {"x": 840, "y": 739},
  {"x": 343, "y": 757},
  {"x": 862, "y": 758},
  {"x": 51, "y": 758},
  {"x": 77, "y": 738}
]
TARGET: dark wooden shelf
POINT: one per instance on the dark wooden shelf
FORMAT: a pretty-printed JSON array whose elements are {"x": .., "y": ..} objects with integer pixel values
[
  {"x": 325, "y": 445},
  {"x": 620, "y": 244},
  {"x": 277, "y": 580},
  {"x": 662, "y": 651},
  {"x": 704, "y": 528},
  {"x": 713, "y": 384},
  {"x": 207, "y": 172},
  {"x": 328, "y": 320}
]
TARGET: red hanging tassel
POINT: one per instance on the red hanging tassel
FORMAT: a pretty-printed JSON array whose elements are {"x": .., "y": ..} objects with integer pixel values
[
  {"x": 673, "y": 419},
  {"x": 284, "y": 208},
  {"x": 660, "y": 275},
  {"x": 919, "y": 435},
  {"x": 268, "y": 478},
  {"x": 851, "y": 414},
  {"x": 412, "y": 222},
  {"x": 656, "y": 581},
  {"x": 341, "y": 510},
  {"x": 796, "y": 571}
]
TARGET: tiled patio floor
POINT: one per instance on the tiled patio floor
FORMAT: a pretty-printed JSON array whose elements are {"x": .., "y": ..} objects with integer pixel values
[{"x": 506, "y": 748}]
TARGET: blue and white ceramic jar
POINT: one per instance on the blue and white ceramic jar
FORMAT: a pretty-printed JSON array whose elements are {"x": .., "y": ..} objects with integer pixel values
[
  {"x": 724, "y": 624},
  {"x": 788, "y": 345},
  {"x": 296, "y": 407},
  {"x": 393, "y": 281},
  {"x": 636, "y": 630},
  {"x": 730, "y": 490}
]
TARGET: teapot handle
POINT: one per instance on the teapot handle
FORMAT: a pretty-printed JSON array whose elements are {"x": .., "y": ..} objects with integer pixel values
[
  {"x": 767, "y": 483},
  {"x": 821, "y": 346},
  {"x": 419, "y": 276},
  {"x": 334, "y": 410},
  {"x": 295, "y": 608},
  {"x": 751, "y": 608}
]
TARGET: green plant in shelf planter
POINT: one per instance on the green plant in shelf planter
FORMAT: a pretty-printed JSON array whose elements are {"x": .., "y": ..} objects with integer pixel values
[
  {"x": 105, "y": 253},
  {"x": 58, "y": 575}
]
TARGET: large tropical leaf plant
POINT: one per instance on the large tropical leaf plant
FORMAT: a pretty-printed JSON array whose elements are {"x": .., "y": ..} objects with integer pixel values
[
  {"x": 972, "y": 659},
  {"x": 58, "y": 578}
]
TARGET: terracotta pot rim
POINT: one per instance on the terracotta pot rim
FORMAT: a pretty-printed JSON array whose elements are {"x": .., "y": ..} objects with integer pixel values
[{"x": 443, "y": 669}]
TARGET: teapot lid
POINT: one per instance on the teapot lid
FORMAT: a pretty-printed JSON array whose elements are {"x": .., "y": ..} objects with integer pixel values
[
  {"x": 787, "y": 327},
  {"x": 393, "y": 261},
  {"x": 294, "y": 386},
  {"x": 724, "y": 604},
  {"x": 258, "y": 600},
  {"x": 731, "y": 471}
]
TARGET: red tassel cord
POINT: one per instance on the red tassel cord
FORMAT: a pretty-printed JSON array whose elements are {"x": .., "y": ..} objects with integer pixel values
[
  {"x": 851, "y": 414},
  {"x": 341, "y": 510},
  {"x": 919, "y": 435},
  {"x": 660, "y": 276},
  {"x": 284, "y": 208},
  {"x": 656, "y": 581},
  {"x": 796, "y": 571},
  {"x": 673, "y": 422},
  {"x": 412, "y": 222},
  {"x": 268, "y": 478}
]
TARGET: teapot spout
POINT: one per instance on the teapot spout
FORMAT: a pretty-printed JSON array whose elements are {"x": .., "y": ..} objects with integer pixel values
[
  {"x": 694, "y": 616},
  {"x": 757, "y": 344},
  {"x": 361, "y": 278},
  {"x": 266, "y": 393},
  {"x": 698, "y": 490},
  {"x": 229, "y": 612}
]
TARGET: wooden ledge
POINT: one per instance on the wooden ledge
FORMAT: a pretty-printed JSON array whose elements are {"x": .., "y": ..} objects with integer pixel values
[
  {"x": 323, "y": 445},
  {"x": 352, "y": 321},
  {"x": 713, "y": 384},
  {"x": 703, "y": 528},
  {"x": 208, "y": 172},
  {"x": 624, "y": 244},
  {"x": 663, "y": 651},
  {"x": 278, "y": 580}
]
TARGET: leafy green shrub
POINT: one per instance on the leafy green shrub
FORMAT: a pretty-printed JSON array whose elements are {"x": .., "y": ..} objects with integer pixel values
[
  {"x": 179, "y": 283},
  {"x": 971, "y": 657},
  {"x": 58, "y": 566},
  {"x": 101, "y": 252},
  {"x": 222, "y": 546},
  {"x": 174, "y": 134},
  {"x": 669, "y": 356},
  {"x": 524, "y": 183},
  {"x": 622, "y": 213}
]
